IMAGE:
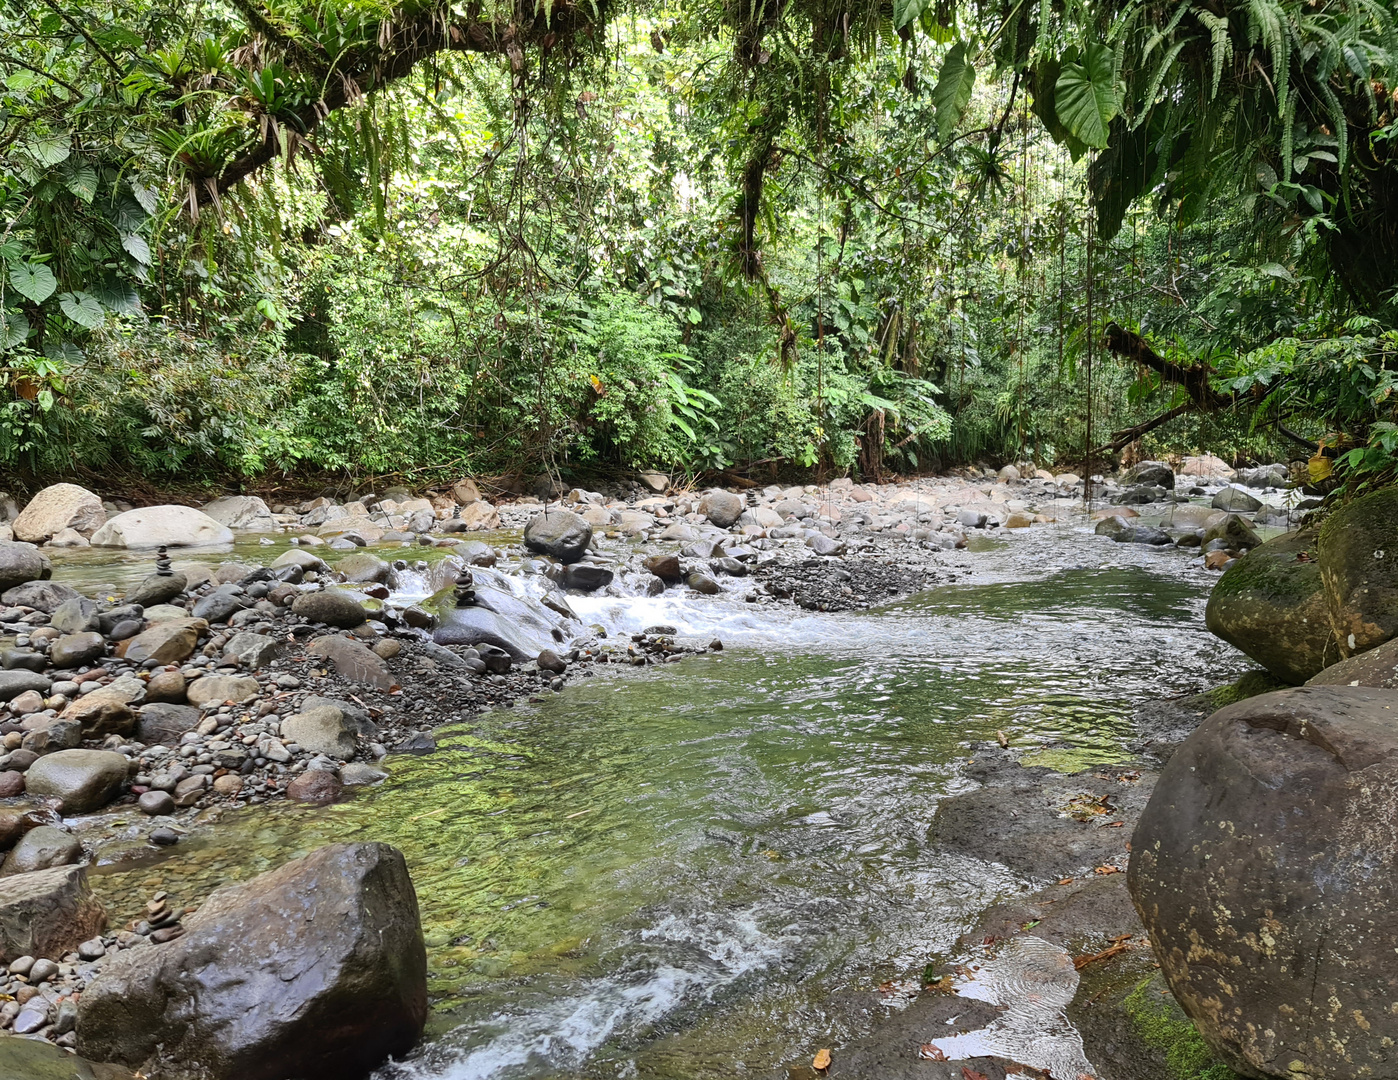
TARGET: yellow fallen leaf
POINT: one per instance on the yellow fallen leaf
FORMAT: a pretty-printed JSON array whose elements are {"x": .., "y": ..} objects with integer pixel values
[
  {"x": 1318, "y": 468},
  {"x": 821, "y": 1061}
]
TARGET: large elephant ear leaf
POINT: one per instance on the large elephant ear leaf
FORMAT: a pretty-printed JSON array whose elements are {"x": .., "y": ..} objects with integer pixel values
[
  {"x": 33, "y": 281},
  {"x": 14, "y": 330},
  {"x": 82, "y": 308},
  {"x": 953, "y": 91},
  {"x": 1085, "y": 96}
]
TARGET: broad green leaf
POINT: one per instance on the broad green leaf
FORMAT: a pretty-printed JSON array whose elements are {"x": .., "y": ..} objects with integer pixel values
[
  {"x": 953, "y": 91},
  {"x": 82, "y": 308},
  {"x": 11, "y": 250},
  {"x": 82, "y": 182},
  {"x": 1086, "y": 97},
  {"x": 50, "y": 150},
  {"x": 148, "y": 199},
  {"x": 33, "y": 281},
  {"x": 117, "y": 296},
  {"x": 905, "y": 11},
  {"x": 137, "y": 248},
  {"x": 14, "y": 330}
]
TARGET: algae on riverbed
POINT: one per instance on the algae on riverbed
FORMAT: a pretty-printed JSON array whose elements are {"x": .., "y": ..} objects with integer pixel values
[{"x": 1161, "y": 1024}]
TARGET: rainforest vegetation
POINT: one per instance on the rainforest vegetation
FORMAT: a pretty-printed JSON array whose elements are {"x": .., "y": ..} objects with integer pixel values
[{"x": 242, "y": 237}]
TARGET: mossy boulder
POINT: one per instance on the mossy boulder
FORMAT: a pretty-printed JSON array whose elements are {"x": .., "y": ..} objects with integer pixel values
[
  {"x": 1359, "y": 567},
  {"x": 1271, "y": 604},
  {"x": 1377, "y": 668}
]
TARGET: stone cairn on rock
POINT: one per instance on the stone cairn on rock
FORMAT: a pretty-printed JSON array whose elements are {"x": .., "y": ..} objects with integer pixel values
[
  {"x": 465, "y": 589},
  {"x": 162, "y": 921},
  {"x": 163, "y": 566}
]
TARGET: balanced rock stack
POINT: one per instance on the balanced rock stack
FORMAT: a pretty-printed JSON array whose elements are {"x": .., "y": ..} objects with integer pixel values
[
  {"x": 162, "y": 922},
  {"x": 465, "y": 589}
]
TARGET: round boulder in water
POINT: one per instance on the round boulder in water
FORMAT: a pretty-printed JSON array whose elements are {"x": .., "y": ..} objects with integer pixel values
[
  {"x": 559, "y": 533},
  {"x": 1270, "y": 604},
  {"x": 1260, "y": 867},
  {"x": 1359, "y": 567}
]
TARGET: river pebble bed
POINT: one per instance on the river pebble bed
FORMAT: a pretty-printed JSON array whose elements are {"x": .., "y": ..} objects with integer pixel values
[{"x": 697, "y": 839}]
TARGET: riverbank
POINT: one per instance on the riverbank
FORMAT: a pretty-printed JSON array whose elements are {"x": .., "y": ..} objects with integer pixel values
[{"x": 896, "y": 542}]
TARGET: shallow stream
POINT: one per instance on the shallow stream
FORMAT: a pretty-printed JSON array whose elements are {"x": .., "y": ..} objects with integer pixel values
[{"x": 700, "y": 870}]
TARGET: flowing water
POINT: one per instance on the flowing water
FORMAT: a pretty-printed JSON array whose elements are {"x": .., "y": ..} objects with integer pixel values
[{"x": 697, "y": 870}]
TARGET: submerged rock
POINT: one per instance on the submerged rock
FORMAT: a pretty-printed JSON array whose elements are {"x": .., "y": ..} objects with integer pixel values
[
  {"x": 314, "y": 970},
  {"x": 1271, "y": 604},
  {"x": 1260, "y": 869}
]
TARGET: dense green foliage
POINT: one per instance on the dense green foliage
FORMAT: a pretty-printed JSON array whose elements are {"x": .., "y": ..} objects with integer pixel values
[{"x": 355, "y": 236}]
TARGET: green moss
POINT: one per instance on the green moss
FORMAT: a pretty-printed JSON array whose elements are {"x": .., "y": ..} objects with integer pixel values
[
  {"x": 1072, "y": 759},
  {"x": 1250, "y": 685},
  {"x": 1162, "y": 1024},
  {"x": 1273, "y": 572}
]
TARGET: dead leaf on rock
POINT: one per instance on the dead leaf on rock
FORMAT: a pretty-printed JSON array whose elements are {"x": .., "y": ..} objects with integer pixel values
[
  {"x": 929, "y": 1052},
  {"x": 821, "y": 1061},
  {"x": 1107, "y": 870},
  {"x": 968, "y": 1073}
]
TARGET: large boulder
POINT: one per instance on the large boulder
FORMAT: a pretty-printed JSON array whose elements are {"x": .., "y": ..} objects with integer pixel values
[
  {"x": 1359, "y": 566},
  {"x": 62, "y": 506},
  {"x": 35, "y": 1059},
  {"x": 353, "y": 661},
  {"x": 152, "y": 526},
  {"x": 560, "y": 533},
  {"x": 21, "y": 563},
  {"x": 315, "y": 970},
  {"x": 1152, "y": 473},
  {"x": 42, "y": 848},
  {"x": 1261, "y": 869},
  {"x": 333, "y": 607},
  {"x": 722, "y": 508},
  {"x": 14, "y": 683},
  {"x": 168, "y": 642},
  {"x": 82, "y": 780},
  {"x": 1270, "y": 604},
  {"x": 47, "y": 913},
  {"x": 522, "y": 626},
  {"x": 1234, "y": 531},
  {"x": 1377, "y": 667},
  {"x": 1235, "y": 500},
  {"x": 246, "y": 512}
]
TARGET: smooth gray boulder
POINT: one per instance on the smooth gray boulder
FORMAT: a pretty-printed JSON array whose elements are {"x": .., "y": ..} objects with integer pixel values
[
  {"x": 1261, "y": 868},
  {"x": 559, "y": 533},
  {"x": 16, "y": 682},
  {"x": 245, "y": 512},
  {"x": 353, "y": 660},
  {"x": 153, "y": 526},
  {"x": 1150, "y": 473},
  {"x": 1235, "y": 500},
  {"x": 164, "y": 723},
  {"x": 334, "y": 607},
  {"x": 40, "y": 849},
  {"x": 82, "y": 780},
  {"x": 76, "y": 650},
  {"x": 19, "y": 564},
  {"x": 314, "y": 970},
  {"x": 722, "y": 508}
]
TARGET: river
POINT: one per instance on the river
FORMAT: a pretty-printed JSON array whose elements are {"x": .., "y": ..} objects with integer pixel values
[{"x": 702, "y": 869}]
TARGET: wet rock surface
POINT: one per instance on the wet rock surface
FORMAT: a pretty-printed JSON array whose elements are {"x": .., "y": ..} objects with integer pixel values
[{"x": 316, "y": 969}]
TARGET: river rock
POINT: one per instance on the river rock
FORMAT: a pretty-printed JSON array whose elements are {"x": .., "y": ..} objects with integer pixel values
[
  {"x": 586, "y": 577},
  {"x": 253, "y": 651},
  {"x": 1151, "y": 474},
  {"x": 559, "y": 533},
  {"x": 245, "y": 512},
  {"x": 168, "y": 642},
  {"x": 334, "y": 607},
  {"x": 722, "y": 508},
  {"x": 62, "y": 506},
  {"x": 296, "y": 557},
  {"x": 42, "y": 848},
  {"x": 153, "y": 526},
  {"x": 83, "y": 780},
  {"x": 323, "y": 730},
  {"x": 354, "y": 661},
  {"x": 465, "y": 492},
  {"x": 1234, "y": 531},
  {"x": 167, "y": 687},
  {"x": 1359, "y": 567},
  {"x": 19, "y": 564},
  {"x": 1235, "y": 500},
  {"x": 14, "y": 683},
  {"x": 216, "y": 689},
  {"x": 1378, "y": 667},
  {"x": 75, "y": 616},
  {"x": 75, "y": 650},
  {"x": 1271, "y": 604},
  {"x": 1205, "y": 465},
  {"x": 164, "y": 724},
  {"x": 158, "y": 589},
  {"x": 100, "y": 716},
  {"x": 362, "y": 567},
  {"x": 314, "y": 970},
  {"x": 47, "y": 913},
  {"x": 318, "y": 787},
  {"x": 1142, "y": 534},
  {"x": 220, "y": 605},
  {"x": 1255, "y": 867},
  {"x": 665, "y": 567}
]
